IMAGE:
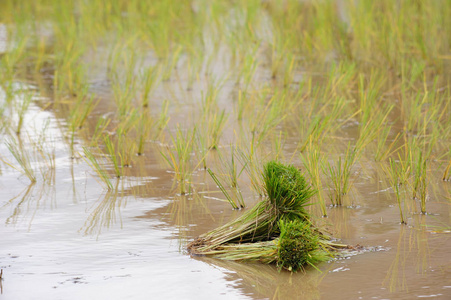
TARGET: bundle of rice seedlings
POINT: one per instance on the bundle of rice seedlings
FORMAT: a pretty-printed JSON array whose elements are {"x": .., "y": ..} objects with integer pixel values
[
  {"x": 277, "y": 230},
  {"x": 298, "y": 245}
]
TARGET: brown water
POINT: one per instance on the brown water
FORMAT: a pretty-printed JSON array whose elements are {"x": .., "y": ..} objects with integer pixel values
[{"x": 68, "y": 238}]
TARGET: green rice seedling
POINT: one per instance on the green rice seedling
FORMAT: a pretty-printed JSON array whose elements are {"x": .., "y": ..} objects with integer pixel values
[
  {"x": 4, "y": 124},
  {"x": 231, "y": 200},
  {"x": 145, "y": 125},
  {"x": 91, "y": 159},
  {"x": 149, "y": 79},
  {"x": 209, "y": 98},
  {"x": 170, "y": 63},
  {"x": 278, "y": 50},
  {"x": 290, "y": 67},
  {"x": 395, "y": 176},
  {"x": 446, "y": 176},
  {"x": 248, "y": 68},
  {"x": 322, "y": 125},
  {"x": 162, "y": 120},
  {"x": 216, "y": 125},
  {"x": 45, "y": 153},
  {"x": 313, "y": 163},
  {"x": 123, "y": 96},
  {"x": 241, "y": 104},
  {"x": 383, "y": 150},
  {"x": 84, "y": 106},
  {"x": 340, "y": 175},
  {"x": 370, "y": 129},
  {"x": 22, "y": 107},
  {"x": 250, "y": 163},
  {"x": 15, "y": 54},
  {"x": 116, "y": 161},
  {"x": 419, "y": 186},
  {"x": 273, "y": 113},
  {"x": 202, "y": 148},
  {"x": 229, "y": 174},
  {"x": 79, "y": 114},
  {"x": 278, "y": 143},
  {"x": 101, "y": 126},
  {"x": 179, "y": 156},
  {"x": 22, "y": 157},
  {"x": 194, "y": 66}
]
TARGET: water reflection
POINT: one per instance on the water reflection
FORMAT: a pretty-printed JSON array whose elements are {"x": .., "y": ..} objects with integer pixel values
[
  {"x": 412, "y": 245},
  {"x": 28, "y": 202},
  {"x": 106, "y": 212},
  {"x": 264, "y": 281}
]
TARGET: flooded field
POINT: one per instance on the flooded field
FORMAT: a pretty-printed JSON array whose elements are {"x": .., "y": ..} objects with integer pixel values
[{"x": 112, "y": 114}]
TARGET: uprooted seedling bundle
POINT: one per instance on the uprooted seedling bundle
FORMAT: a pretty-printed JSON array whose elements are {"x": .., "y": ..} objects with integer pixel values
[{"x": 277, "y": 230}]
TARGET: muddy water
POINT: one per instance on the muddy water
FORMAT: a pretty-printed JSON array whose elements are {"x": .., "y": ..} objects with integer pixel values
[
  {"x": 69, "y": 239},
  {"x": 65, "y": 237}
]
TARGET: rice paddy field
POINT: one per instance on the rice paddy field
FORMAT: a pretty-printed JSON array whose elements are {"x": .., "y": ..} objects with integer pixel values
[{"x": 130, "y": 128}]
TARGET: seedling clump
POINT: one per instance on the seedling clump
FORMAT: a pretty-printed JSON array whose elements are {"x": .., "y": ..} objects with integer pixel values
[{"x": 277, "y": 230}]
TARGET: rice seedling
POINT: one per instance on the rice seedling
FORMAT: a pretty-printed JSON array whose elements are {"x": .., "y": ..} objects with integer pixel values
[
  {"x": 278, "y": 143},
  {"x": 98, "y": 132},
  {"x": 229, "y": 174},
  {"x": 371, "y": 127},
  {"x": 280, "y": 216},
  {"x": 272, "y": 114},
  {"x": 84, "y": 106},
  {"x": 149, "y": 79},
  {"x": 250, "y": 163},
  {"x": 123, "y": 95},
  {"x": 446, "y": 176},
  {"x": 241, "y": 104},
  {"x": 145, "y": 125},
  {"x": 383, "y": 150},
  {"x": 322, "y": 125},
  {"x": 117, "y": 161},
  {"x": 419, "y": 186},
  {"x": 313, "y": 162},
  {"x": 16, "y": 148},
  {"x": 91, "y": 159},
  {"x": 340, "y": 174},
  {"x": 170, "y": 63},
  {"x": 162, "y": 120},
  {"x": 395, "y": 179},
  {"x": 231, "y": 200},
  {"x": 248, "y": 68},
  {"x": 22, "y": 107},
  {"x": 178, "y": 157}
]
